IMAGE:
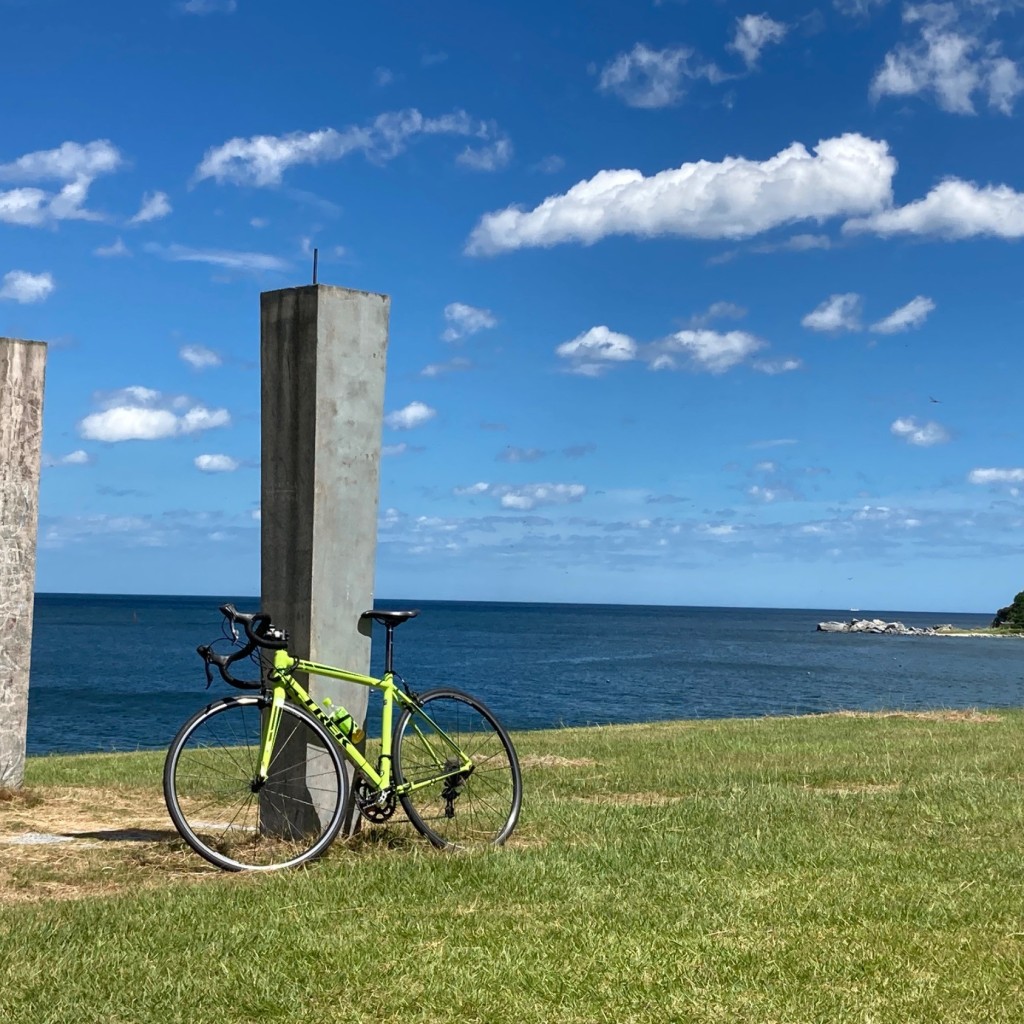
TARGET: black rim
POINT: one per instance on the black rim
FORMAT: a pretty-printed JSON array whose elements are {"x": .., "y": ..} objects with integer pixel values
[
  {"x": 236, "y": 823},
  {"x": 476, "y": 807}
]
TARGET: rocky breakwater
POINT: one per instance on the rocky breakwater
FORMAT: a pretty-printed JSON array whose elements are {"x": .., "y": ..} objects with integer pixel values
[{"x": 881, "y": 626}]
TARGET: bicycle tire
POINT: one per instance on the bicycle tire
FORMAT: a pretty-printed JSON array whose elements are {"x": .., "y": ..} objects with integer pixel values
[
  {"x": 208, "y": 787},
  {"x": 478, "y": 809}
]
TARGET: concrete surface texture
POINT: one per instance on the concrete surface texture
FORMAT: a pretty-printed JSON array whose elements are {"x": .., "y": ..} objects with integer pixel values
[
  {"x": 22, "y": 374},
  {"x": 323, "y": 353}
]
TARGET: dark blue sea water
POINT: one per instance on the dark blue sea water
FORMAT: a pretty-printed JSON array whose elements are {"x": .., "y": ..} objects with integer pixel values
[{"x": 120, "y": 673}]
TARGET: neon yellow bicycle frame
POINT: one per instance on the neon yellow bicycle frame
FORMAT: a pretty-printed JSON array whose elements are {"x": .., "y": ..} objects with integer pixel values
[{"x": 285, "y": 686}]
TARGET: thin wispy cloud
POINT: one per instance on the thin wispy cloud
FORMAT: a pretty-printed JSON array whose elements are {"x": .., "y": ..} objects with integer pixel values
[
  {"x": 464, "y": 320},
  {"x": 923, "y": 435},
  {"x": 515, "y": 454},
  {"x": 262, "y": 160},
  {"x": 117, "y": 248},
  {"x": 456, "y": 365},
  {"x": 650, "y": 79},
  {"x": 76, "y": 165},
  {"x": 228, "y": 259},
  {"x": 753, "y": 32},
  {"x": 203, "y": 7},
  {"x": 155, "y": 206},
  {"x": 525, "y": 496},
  {"x": 492, "y": 157},
  {"x": 912, "y": 315}
]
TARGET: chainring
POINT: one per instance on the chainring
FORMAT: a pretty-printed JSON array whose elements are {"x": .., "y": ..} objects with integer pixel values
[{"x": 374, "y": 805}]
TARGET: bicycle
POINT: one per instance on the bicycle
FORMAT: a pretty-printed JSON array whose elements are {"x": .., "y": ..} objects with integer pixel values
[{"x": 258, "y": 782}]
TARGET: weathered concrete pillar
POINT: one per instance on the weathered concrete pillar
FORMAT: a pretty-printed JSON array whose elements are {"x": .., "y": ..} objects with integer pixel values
[
  {"x": 323, "y": 355},
  {"x": 22, "y": 372}
]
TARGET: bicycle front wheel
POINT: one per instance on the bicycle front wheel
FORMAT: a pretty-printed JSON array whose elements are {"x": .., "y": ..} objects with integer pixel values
[
  {"x": 453, "y": 807},
  {"x": 226, "y": 814}
]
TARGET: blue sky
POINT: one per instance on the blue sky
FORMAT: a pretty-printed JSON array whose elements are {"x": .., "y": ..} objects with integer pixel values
[{"x": 692, "y": 302}]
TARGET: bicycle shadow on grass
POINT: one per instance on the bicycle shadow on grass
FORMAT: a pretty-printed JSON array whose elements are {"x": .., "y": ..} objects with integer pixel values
[{"x": 127, "y": 835}]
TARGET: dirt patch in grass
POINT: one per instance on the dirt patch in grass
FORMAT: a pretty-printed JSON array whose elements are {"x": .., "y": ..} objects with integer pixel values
[
  {"x": 948, "y": 715},
  {"x": 555, "y": 761},
  {"x": 81, "y": 812},
  {"x": 73, "y": 842},
  {"x": 632, "y": 799}
]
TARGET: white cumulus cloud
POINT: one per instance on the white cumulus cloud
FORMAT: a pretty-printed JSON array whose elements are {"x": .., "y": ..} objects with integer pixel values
[
  {"x": 733, "y": 198},
  {"x": 703, "y": 349},
  {"x": 68, "y": 162},
  {"x": 415, "y": 414},
  {"x": 954, "y": 209},
  {"x": 216, "y": 463},
  {"x": 996, "y": 476},
  {"x": 836, "y": 313},
  {"x": 143, "y": 414},
  {"x": 75, "y": 458},
  {"x": 913, "y": 314},
  {"x": 922, "y": 434},
  {"x": 199, "y": 356},
  {"x": 949, "y": 61},
  {"x": 590, "y": 351},
  {"x": 21, "y": 286}
]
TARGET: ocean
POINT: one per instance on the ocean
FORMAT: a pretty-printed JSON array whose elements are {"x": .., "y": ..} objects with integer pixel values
[{"x": 121, "y": 673}]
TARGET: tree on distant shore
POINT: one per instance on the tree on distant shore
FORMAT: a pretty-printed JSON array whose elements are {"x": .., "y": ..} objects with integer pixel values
[{"x": 1012, "y": 616}]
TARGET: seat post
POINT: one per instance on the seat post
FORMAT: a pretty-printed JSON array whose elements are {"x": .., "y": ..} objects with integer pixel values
[{"x": 388, "y": 644}]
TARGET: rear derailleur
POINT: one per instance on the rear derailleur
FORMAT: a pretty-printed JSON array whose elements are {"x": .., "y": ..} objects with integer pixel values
[{"x": 453, "y": 786}]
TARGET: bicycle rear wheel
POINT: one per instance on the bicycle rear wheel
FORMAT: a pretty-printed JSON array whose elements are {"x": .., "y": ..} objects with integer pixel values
[
  {"x": 451, "y": 808},
  {"x": 225, "y": 815}
]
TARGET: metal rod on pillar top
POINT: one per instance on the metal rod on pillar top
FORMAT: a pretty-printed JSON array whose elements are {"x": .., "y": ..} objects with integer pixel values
[{"x": 316, "y": 253}]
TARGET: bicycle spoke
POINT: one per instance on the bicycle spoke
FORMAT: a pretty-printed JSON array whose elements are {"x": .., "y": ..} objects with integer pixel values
[
  {"x": 212, "y": 774},
  {"x": 452, "y": 806}
]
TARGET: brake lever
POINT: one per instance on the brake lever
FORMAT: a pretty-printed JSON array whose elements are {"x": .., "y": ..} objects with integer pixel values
[{"x": 203, "y": 652}]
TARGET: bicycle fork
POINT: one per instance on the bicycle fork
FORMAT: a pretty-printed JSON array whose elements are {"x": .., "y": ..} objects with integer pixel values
[{"x": 268, "y": 737}]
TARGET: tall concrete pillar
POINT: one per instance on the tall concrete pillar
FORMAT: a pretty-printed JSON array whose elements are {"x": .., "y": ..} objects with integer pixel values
[
  {"x": 322, "y": 352},
  {"x": 22, "y": 372}
]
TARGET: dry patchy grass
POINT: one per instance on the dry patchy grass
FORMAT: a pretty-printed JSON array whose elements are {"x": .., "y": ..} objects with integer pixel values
[
  {"x": 88, "y": 841},
  {"x": 967, "y": 715}
]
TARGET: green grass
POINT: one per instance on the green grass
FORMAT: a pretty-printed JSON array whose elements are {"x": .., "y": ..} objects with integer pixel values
[{"x": 830, "y": 869}]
